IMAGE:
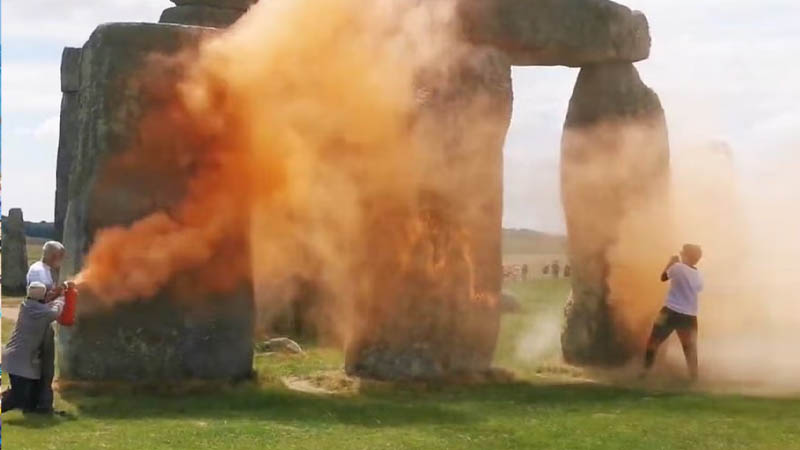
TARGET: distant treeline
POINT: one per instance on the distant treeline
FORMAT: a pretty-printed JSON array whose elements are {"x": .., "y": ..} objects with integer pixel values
[
  {"x": 515, "y": 241},
  {"x": 522, "y": 241},
  {"x": 44, "y": 230}
]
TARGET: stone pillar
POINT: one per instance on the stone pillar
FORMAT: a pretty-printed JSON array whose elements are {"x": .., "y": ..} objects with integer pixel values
[
  {"x": 206, "y": 13},
  {"x": 68, "y": 137},
  {"x": 435, "y": 327},
  {"x": 604, "y": 38},
  {"x": 441, "y": 322},
  {"x": 614, "y": 160},
  {"x": 169, "y": 336},
  {"x": 15, "y": 254}
]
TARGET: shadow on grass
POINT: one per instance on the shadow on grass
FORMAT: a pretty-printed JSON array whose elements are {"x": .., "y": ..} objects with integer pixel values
[
  {"x": 268, "y": 404},
  {"x": 36, "y": 421},
  {"x": 402, "y": 406}
]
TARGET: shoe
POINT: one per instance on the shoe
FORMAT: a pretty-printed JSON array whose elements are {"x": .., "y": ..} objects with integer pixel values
[{"x": 49, "y": 412}]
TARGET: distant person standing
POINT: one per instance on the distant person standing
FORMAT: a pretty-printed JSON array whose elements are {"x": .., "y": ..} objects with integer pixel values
[
  {"x": 555, "y": 269},
  {"x": 546, "y": 269},
  {"x": 680, "y": 311},
  {"x": 567, "y": 271},
  {"x": 524, "y": 272},
  {"x": 47, "y": 272}
]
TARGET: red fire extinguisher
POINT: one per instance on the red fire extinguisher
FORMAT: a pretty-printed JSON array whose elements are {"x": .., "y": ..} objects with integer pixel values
[{"x": 67, "y": 317}]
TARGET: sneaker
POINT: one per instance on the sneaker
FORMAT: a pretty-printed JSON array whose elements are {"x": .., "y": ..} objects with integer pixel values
[{"x": 49, "y": 412}]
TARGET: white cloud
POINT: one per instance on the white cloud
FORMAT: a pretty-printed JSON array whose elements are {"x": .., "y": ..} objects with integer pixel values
[
  {"x": 720, "y": 67},
  {"x": 70, "y": 22},
  {"x": 31, "y": 87},
  {"x": 34, "y": 33},
  {"x": 531, "y": 175},
  {"x": 47, "y": 131}
]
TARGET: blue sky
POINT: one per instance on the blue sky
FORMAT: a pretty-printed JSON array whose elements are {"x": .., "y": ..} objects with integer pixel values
[{"x": 724, "y": 69}]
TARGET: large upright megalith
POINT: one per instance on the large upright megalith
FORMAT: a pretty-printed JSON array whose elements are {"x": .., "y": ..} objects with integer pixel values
[
  {"x": 449, "y": 324},
  {"x": 171, "y": 335},
  {"x": 15, "y": 253},
  {"x": 615, "y": 158},
  {"x": 68, "y": 132},
  {"x": 440, "y": 312},
  {"x": 614, "y": 152}
]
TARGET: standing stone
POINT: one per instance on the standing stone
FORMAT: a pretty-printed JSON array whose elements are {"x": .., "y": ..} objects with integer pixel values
[
  {"x": 169, "y": 336},
  {"x": 426, "y": 331},
  {"x": 15, "y": 254},
  {"x": 615, "y": 158},
  {"x": 71, "y": 69},
  {"x": 435, "y": 323},
  {"x": 206, "y": 13},
  {"x": 68, "y": 136}
]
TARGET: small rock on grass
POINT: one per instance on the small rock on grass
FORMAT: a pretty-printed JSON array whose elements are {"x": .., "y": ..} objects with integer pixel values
[{"x": 280, "y": 345}]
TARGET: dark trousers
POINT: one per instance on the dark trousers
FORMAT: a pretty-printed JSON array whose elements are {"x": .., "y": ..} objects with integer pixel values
[
  {"x": 44, "y": 388},
  {"x": 22, "y": 395},
  {"x": 35, "y": 395},
  {"x": 686, "y": 328}
]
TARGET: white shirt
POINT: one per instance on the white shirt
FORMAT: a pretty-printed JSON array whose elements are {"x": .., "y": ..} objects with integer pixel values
[
  {"x": 685, "y": 284},
  {"x": 42, "y": 273}
]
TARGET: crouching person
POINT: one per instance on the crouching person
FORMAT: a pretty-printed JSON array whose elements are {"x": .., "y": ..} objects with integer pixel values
[{"x": 22, "y": 353}]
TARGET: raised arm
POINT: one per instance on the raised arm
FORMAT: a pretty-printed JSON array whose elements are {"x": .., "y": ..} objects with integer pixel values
[{"x": 672, "y": 261}]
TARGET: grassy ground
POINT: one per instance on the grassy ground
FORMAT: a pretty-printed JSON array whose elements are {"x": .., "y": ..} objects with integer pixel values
[
  {"x": 529, "y": 340},
  {"x": 543, "y": 409}
]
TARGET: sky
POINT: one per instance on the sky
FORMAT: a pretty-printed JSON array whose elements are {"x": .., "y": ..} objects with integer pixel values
[{"x": 725, "y": 70}]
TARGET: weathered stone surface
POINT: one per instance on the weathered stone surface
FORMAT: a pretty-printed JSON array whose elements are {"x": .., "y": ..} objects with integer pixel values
[
  {"x": 68, "y": 133},
  {"x": 71, "y": 69},
  {"x": 612, "y": 92},
  {"x": 111, "y": 103},
  {"x": 15, "y": 254},
  {"x": 168, "y": 336},
  {"x": 199, "y": 15},
  {"x": 67, "y": 144},
  {"x": 159, "y": 339},
  {"x": 445, "y": 322},
  {"x": 615, "y": 155},
  {"x": 571, "y": 33},
  {"x": 241, "y": 5}
]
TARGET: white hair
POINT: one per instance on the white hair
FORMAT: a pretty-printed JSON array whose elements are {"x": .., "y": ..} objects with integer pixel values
[
  {"x": 37, "y": 291},
  {"x": 51, "y": 248}
]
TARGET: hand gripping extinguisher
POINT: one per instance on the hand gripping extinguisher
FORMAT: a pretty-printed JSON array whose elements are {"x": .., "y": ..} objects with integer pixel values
[{"x": 67, "y": 317}]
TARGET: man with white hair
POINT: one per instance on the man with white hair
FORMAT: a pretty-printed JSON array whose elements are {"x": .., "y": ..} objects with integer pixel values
[
  {"x": 46, "y": 271},
  {"x": 22, "y": 353}
]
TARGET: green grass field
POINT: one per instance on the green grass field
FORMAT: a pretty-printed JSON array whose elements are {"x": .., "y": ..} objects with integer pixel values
[{"x": 543, "y": 408}]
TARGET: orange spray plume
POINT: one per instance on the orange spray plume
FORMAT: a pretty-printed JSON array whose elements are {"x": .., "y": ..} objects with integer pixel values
[{"x": 274, "y": 154}]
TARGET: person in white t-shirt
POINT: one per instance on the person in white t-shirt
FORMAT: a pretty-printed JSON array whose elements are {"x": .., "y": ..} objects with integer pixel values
[
  {"x": 46, "y": 272},
  {"x": 679, "y": 313}
]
